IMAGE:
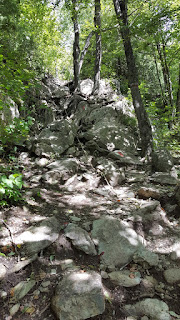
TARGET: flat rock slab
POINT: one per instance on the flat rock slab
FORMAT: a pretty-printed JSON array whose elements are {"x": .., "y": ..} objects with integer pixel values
[
  {"x": 80, "y": 239},
  {"x": 22, "y": 288},
  {"x": 38, "y": 237},
  {"x": 172, "y": 275},
  {"x": 163, "y": 178},
  {"x": 153, "y": 308},
  {"x": 125, "y": 278},
  {"x": 79, "y": 296},
  {"x": 117, "y": 241}
]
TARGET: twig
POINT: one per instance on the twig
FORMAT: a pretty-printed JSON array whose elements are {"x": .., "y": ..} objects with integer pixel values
[{"x": 11, "y": 236}]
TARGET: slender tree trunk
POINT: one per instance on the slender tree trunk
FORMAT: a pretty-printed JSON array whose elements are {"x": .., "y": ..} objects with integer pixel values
[
  {"x": 167, "y": 80},
  {"x": 76, "y": 49},
  {"x": 97, "y": 24},
  {"x": 85, "y": 49},
  {"x": 178, "y": 98},
  {"x": 160, "y": 84},
  {"x": 143, "y": 121}
]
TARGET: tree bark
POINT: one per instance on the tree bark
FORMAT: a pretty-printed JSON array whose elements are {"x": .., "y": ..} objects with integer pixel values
[
  {"x": 167, "y": 80},
  {"x": 178, "y": 98},
  {"x": 97, "y": 24},
  {"x": 76, "y": 49},
  {"x": 142, "y": 117}
]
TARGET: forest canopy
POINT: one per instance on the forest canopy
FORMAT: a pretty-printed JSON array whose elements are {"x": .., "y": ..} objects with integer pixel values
[{"x": 76, "y": 40}]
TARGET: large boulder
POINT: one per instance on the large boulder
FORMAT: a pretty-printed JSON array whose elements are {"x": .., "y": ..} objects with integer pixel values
[
  {"x": 79, "y": 296},
  {"x": 107, "y": 129},
  {"x": 116, "y": 240},
  {"x": 162, "y": 160},
  {"x": 56, "y": 138},
  {"x": 61, "y": 170}
]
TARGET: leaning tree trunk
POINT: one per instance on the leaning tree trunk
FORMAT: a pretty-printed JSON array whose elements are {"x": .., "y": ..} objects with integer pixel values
[
  {"x": 76, "y": 49},
  {"x": 143, "y": 121},
  {"x": 85, "y": 49},
  {"x": 97, "y": 24}
]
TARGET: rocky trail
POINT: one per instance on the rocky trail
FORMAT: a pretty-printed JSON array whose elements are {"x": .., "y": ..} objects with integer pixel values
[{"x": 98, "y": 236}]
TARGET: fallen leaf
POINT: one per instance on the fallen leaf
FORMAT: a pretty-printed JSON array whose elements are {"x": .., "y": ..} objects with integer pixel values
[
  {"x": 12, "y": 292},
  {"x": 30, "y": 310}
]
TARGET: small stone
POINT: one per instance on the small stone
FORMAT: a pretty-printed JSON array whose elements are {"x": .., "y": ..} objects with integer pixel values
[
  {"x": 36, "y": 292},
  {"x": 125, "y": 278},
  {"x": 75, "y": 219},
  {"x": 3, "y": 294},
  {"x": 42, "y": 162},
  {"x": 45, "y": 284},
  {"x": 53, "y": 271},
  {"x": 22, "y": 288},
  {"x": 104, "y": 275},
  {"x": 172, "y": 275},
  {"x": 43, "y": 289},
  {"x": 14, "y": 309}
]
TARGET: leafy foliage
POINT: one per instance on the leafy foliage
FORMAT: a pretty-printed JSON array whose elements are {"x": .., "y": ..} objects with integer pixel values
[{"x": 10, "y": 188}]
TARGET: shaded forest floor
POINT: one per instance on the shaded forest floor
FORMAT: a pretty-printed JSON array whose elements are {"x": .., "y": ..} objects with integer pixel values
[{"x": 81, "y": 207}]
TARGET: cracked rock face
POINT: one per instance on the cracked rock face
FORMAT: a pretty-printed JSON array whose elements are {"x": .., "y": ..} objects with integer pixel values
[{"x": 79, "y": 296}]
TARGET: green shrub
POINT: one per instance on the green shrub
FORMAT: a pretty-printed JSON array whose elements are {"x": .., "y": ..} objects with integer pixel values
[
  {"x": 10, "y": 188},
  {"x": 14, "y": 133}
]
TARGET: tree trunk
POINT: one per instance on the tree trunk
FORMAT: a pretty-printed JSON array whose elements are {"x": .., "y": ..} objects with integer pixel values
[
  {"x": 85, "y": 49},
  {"x": 76, "y": 49},
  {"x": 158, "y": 76},
  {"x": 167, "y": 80},
  {"x": 143, "y": 121},
  {"x": 178, "y": 99},
  {"x": 97, "y": 24}
]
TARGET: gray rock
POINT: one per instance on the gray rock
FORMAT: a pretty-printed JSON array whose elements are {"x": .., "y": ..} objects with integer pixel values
[
  {"x": 80, "y": 239},
  {"x": 61, "y": 170},
  {"x": 86, "y": 87},
  {"x": 117, "y": 241},
  {"x": 60, "y": 92},
  {"x": 110, "y": 171},
  {"x": 42, "y": 162},
  {"x": 172, "y": 275},
  {"x": 134, "y": 176},
  {"x": 56, "y": 138},
  {"x": 162, "y": 160},
  {"x": 79, "y": 296},
  {"x": 144, "y": 255},
  {"x": 153, "y": 308},
  {"x": 38, "y": 237},
  {"x": 125, "y": 278},
  {"x": 163, "y": 178},
  {"x": 2, "y": 271},
  {"x": 22, "y": 288},
  {"x": 13, "y": 310}
]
